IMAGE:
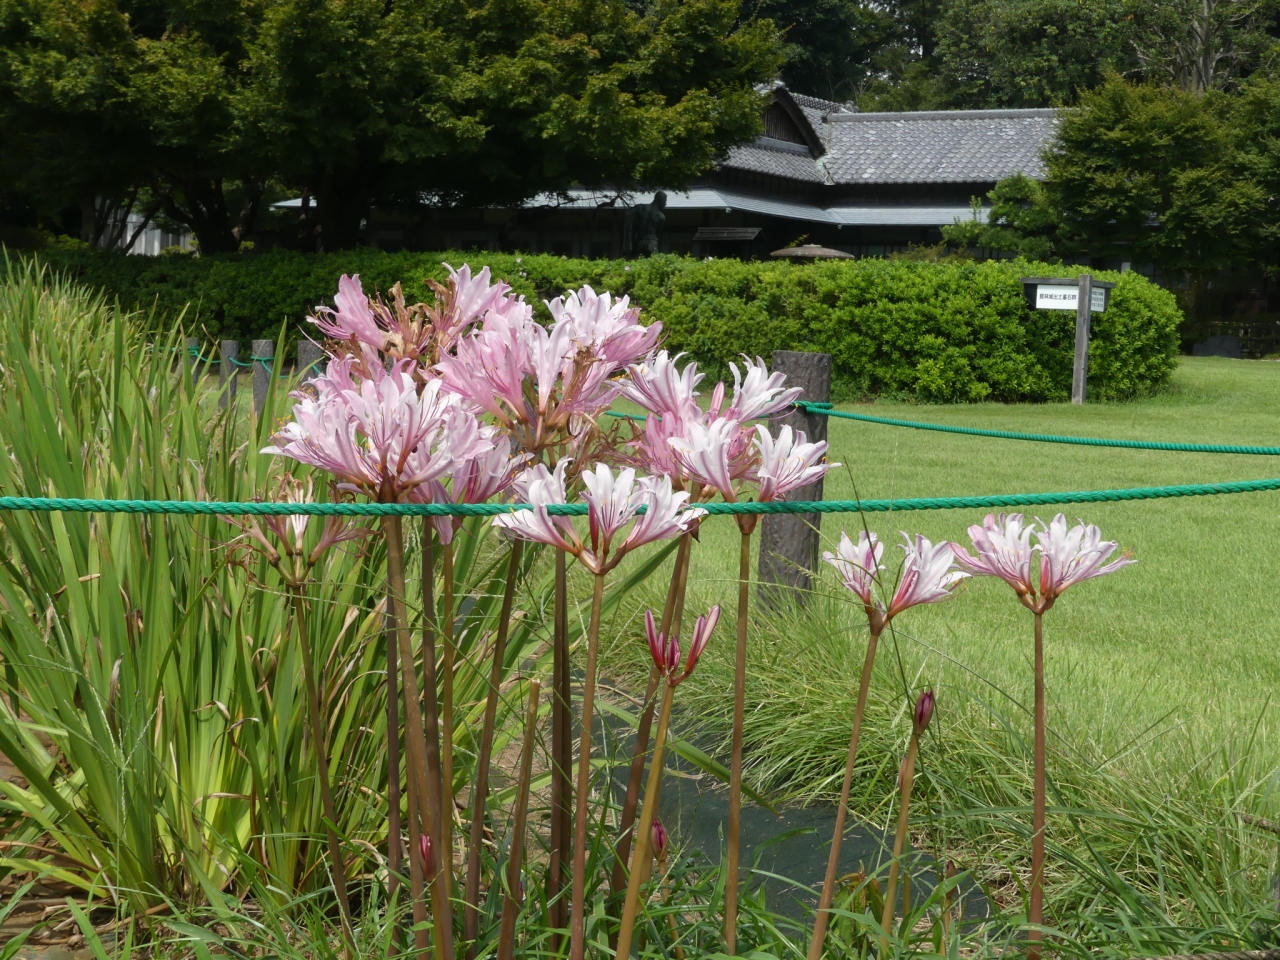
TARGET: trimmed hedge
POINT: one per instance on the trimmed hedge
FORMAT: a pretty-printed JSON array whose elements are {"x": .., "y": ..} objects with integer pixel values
[{"x": 936, "y": 331}]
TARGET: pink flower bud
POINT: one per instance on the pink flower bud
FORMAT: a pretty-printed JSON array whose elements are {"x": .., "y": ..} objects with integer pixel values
[
  {"x": 424, "y": 848},
  {"x": 924, "y": 712},
  {"x": 658, "y": 835},
  {"x": 702, "y": 630}
]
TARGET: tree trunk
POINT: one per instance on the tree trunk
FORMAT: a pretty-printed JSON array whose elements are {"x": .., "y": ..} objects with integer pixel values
[
  {"x": 342, "y": 206},
  {"x": 202, "y": 206}
]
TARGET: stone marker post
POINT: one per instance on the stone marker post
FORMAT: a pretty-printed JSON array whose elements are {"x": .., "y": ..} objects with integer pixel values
[
  {"x": 1080, "y": 366},
  {"x": 264, "y": 352},
  {"x": 789, "y": 541},
  {"x": 228, "y": 372},
  {"x": 310, "y": 355}
]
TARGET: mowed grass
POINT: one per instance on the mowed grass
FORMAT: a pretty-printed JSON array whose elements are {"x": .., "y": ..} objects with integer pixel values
[
  {"x": 1178, "y": 651},
  {"x": 1163, "y": 754}
]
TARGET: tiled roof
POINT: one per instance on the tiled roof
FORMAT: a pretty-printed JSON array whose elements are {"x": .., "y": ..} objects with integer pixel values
[
  {"x": 818, "y": 110},
  {"x": 777, "y": 158},
  {"x": 943, "y": 146},
  {"x": 960, "y": 146}
]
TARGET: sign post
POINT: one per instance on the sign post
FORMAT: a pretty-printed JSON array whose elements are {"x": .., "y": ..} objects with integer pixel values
[
  {"x": 1080, "y": 364},
  {"x": 1085, "y": 296}
]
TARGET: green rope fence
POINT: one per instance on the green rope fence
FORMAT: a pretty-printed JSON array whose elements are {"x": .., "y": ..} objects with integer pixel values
[
  {"x": 229, "y": 509},
  {"x": 825, "y": 409}
]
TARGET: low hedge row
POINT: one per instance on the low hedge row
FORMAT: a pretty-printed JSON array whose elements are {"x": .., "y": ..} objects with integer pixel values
[{"x": 936, "y": 331}]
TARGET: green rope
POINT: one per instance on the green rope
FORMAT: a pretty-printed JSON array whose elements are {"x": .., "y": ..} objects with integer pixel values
[
  {"x": 825, "y": 409},
  {"x": 211, "y": 507}
]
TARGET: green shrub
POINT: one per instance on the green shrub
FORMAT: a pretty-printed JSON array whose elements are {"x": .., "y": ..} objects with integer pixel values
[{"x": 940, "y": 332}]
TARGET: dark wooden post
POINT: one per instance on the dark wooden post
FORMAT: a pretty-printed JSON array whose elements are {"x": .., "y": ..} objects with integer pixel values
[
  {"x": 264, "y": 352},
  {"x": 1080, "y": 367},
  {"x": 310, "y": 357},
  {"x": 789, "y": 541},
  {"x": 228, "y": 373}
]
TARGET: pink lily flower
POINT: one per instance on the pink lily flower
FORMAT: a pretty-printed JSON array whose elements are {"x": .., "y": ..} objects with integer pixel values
[
  {"x": 658, "y": 839},
  {"x": 384, "y": 439},
  {"x": 666, "y": 650},
  {"x": 539, "y": 487},
  {"x": 713, "y": 455},
  {"x": 466, "y": 299},
  {"x": 486, "y": 473},
  {"x": 788, "y": 462},
  {"x": 353, "y": 320},
  {"x": 1004, "y": 550},
  {"x": 702, "y": 630},
  {"x": 923, "y": 712},
  {"x": 858, "y": 564},
  {"x": 489, "y": 367},
  {"x": 612, "y": 504},
  {"x": 928, "y": 575},
  {"x": 657, "y": 387},
  {"x": 759, "y": 393},
  {"x": 1072, "y": 555},
  {"x": 611, "y": 330}
]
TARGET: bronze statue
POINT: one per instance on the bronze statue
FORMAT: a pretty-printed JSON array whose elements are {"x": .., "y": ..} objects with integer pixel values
[{"x": 646, "y": 230}]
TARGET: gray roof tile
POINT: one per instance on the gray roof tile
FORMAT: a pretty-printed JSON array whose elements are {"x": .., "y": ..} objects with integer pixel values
[
  {"x": 959, "y": 146},
  {"x": 792, "y": 161}
]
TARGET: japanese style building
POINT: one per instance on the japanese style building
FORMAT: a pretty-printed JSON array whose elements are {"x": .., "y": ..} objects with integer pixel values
[{"x": 867, "y": 184}]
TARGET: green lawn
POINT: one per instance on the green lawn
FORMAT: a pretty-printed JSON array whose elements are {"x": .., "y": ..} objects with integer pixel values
[{"x": 1179, "y": 650}]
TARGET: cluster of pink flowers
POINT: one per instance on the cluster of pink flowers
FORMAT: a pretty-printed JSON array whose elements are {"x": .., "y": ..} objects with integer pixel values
[
  {"x": 929, "y": 573},
  {"x": 470, "y": 398},
  {"x": 719, "y": 450}
]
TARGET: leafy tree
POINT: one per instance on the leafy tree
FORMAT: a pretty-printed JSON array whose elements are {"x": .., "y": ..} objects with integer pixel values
[
  {"x": 1150, "y": 174},
  {"x": 68, "y": 136},
  {"x": 1029, "y": 53},
  {"x": 197, "y": 106},
  {"x": 1201, "y": 45},
  {"x": 1020, "y": 221},
  {"x": 834, "y": 47}
]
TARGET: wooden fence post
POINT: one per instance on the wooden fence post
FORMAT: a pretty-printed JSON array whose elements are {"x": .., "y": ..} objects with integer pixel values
[
  {"x": 1080, "y": 366},
  {"x": 789, "y": 541},
  {"x": 310, "y": 359},
  {"x": 228, "y": 373},
  {"x": 264, "y": 352}
]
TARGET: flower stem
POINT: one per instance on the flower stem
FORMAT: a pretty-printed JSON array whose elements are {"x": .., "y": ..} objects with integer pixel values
[
  {"x": 581, "y": 813},
  {"x": 561, "y": 752},
  {"x": 899, "y": 841},
  {"x": 679, "y": 579},
  {"x": 842, "y": 812},
  {"x": 416, "y": 884},
  {"x": 415, "y": 745},
  {"x": 640, "y": 851},
  {"x": 735, "y": 769},
  {"x": 447, "y": 803},
  {"x": 1035, "y": 912},
  {"x": 320, "y": 743},
  {"x": 431, "y": 725},
  {"x": 394, "y": 828},
  {"x": 515, "y": 856},
  {"x": 472, "y": 896}
]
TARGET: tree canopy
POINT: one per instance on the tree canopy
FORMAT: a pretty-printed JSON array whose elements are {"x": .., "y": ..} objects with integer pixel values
[{"x": 192, "y": 107}]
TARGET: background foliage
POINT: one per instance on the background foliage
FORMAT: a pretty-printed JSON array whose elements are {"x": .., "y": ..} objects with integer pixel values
[{"x": 945, "y": 331}]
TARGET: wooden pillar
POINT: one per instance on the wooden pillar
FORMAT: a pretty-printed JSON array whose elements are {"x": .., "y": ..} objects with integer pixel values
[
  {"x": 310, "y": 360},
  {"x": 228, "y": 372},
  {"x": 789, "y": 541},
  {"x": 264, "y": 352},
  {"x": 1080, "y": 366}
]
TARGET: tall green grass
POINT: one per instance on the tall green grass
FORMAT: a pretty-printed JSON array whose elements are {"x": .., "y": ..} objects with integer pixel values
[{"x": 151, "y": 693}]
